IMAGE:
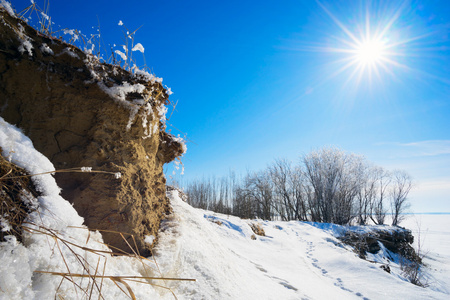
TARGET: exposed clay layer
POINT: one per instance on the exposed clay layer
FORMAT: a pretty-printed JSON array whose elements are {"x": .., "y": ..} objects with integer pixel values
[{"x": 73, "y": 109}]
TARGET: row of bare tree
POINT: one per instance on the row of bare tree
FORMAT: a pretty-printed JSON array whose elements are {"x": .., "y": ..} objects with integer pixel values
[{"x": 328, "y": 185}]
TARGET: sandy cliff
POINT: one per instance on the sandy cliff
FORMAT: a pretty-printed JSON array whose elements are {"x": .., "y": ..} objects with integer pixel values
[{"x": 81, "y": 112}]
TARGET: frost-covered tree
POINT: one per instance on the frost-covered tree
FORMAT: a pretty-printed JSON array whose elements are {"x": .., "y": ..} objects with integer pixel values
[
  {"x": 401, "y": 186},
  {"x": 378, "y": 207},
  {"x": 366, "y": 195},
  {"x": 334, "y": 178},
  {"x": 329, "y": 185},
  {"x": 288, "y": 181},
  {"x": 259, "y": 190}
]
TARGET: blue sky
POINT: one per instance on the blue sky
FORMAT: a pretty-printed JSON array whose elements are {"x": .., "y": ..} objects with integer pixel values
[{"x": 259, "y": 80}]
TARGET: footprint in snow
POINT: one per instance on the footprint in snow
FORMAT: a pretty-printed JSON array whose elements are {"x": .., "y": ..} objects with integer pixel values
[
  {"x": 285, "y": 284},
  {"x": 288, "y": 286},
  {"x": 361, "y": 295},
  {"x": 261, "y": 268},
  {"x": 340, "y": 284}
]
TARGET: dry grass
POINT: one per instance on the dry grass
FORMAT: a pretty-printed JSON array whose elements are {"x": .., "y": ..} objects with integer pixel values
[
  {"x": 71, "y": 170},
  {"x": 39, "y": 18},
  {"x": 412, "y": 265},
  {"x": 44, "y": 20},
  {"x": 257, "y": 229},
  {"x": 16, "y": 188},
  {"x": 95, "y": 275},
  {"x": 218, "y": 222}
]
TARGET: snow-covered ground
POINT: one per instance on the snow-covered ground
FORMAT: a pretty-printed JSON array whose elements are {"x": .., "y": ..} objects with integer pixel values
[
  {"x": 432, "y": 236},
  {"x": 295, "y": 260}
]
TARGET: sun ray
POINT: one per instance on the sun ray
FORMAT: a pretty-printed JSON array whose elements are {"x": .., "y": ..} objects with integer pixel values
[
  {"x": 368, "y": 51},
  {"x": 336, "y": 20},
  {"x": 376, "y": 44},
  {"x": 392, "y": 20}
]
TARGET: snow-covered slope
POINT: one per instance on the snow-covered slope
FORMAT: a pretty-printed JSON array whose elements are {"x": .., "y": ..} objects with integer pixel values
[{"x": 295, "y": 260}]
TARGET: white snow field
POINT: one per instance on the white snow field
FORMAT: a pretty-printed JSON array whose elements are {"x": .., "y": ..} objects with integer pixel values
[
  {"x": 433, "y": 232},
  {"x": 295, "y": 260}
]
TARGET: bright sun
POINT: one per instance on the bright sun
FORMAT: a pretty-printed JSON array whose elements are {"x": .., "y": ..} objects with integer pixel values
[{"x": 370, "y": 52}]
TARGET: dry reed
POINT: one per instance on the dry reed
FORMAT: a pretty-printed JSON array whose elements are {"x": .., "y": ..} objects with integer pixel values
[{"x": 13, "y": 182}]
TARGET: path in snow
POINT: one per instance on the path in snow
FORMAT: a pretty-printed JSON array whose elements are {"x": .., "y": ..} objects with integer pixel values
[{"x": 293, "y": 261}]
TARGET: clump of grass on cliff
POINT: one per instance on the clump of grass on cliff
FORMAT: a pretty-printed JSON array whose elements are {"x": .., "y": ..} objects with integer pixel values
[
  {"x": 121, "y": 55},
  {"x": 16, "y": 194}
]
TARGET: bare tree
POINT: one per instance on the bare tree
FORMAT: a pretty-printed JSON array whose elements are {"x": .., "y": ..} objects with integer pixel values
[
  {"x": 322, "y": 177},
  {"x": 378, "y": 207},
  {"x": 298, "y": 184},
  {"x": 334, "y": 178},
  {"x": 244, "y": 204},
  {"x": 366, "y": 195},
  {"x": 351, "y": 183},
  {"x": 260, "y": 190},
  {"x": 401, "y": 186},
  {"x": 329, "y": 185},
  {"x": 286, "y": 189}
]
